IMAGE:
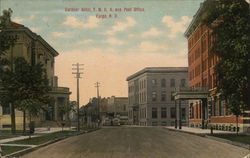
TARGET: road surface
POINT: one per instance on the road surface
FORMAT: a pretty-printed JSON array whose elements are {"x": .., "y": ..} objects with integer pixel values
[{"x": 138, "y": 142}]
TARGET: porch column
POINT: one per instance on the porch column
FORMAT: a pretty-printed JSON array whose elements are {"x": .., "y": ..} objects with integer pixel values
[
  {"x": 180, "y": 114},
  {"x": 175, "y": 114},
  {"x": 204, "y": 105},
  {"x": 55, "y": 110}
]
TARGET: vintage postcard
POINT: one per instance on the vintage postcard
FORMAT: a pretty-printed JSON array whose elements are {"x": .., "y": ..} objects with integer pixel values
[{"x": 126, "y": 78}]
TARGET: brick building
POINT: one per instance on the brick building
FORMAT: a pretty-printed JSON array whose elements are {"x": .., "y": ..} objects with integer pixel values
[{"x": 201, "y": 69}]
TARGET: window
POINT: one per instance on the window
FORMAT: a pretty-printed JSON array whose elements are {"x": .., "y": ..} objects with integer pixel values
[
  {"x": 163, "y": 112},
  {"x": 163, "y": 96},
  {"x": 154, "y": 96},
  {"x": 191, "y": 110},
  {"x": 154, "y": 113},
  {"x": 172, "y": 82},
  {"x": 183, "y": 83},
  {"x": 183, "y": 113},
  {"x": 6, "y": 126},
  {"x": 172, "y": 97},
  {"x": 172, "y": 112},
  {"x": 6, "y": 110},
  {"x": 215, "y": 105},
  {"x": 221, "y": 107},
  {"x": 52, "y": 64},
  {"x": 154, "y": 83},
  {"x": 139, "y": 97},
  {"x": 163, "y": 83},
  {"x": 196, "y": 110}
]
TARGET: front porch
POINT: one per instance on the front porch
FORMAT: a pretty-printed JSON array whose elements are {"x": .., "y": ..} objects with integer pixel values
[
  {"x": 195, "y": 93},
  {"x": 60, "y": 96}
]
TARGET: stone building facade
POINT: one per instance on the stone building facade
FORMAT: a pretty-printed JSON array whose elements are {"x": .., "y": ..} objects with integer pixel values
[
  {"x": 151, "y": 102},
  {"x": 35, "y": 49}
]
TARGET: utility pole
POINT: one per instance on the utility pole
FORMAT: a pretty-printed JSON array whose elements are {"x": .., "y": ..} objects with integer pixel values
[
  {"x": 97, "y": 85},
  {"x": 78, "y": 76}
]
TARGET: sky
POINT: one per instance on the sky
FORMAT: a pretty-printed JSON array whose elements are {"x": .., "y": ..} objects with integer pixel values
[{"x": 112, "y": 38}]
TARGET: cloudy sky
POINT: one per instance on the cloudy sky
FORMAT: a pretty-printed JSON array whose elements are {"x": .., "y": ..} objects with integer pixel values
[{"x": 110, "y": 48}]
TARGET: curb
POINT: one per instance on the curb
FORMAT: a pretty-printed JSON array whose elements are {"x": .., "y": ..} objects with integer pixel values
[
  {"x": 246, "y": 146},
  {"x": 28, "y": 150},
  {"x": 197, "y": 134}
]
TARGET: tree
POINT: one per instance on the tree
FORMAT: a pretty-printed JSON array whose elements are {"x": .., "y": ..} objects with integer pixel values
[
  {"x": 31, "y": 89},
  {"x": 65, "y": 109},
  {"x": 6, "y": 42},
  {"x": 26, "y": 87},
  {"x": 230, "y": 23}
]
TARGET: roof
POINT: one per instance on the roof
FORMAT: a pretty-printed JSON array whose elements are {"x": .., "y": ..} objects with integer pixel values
[
  {"x": 158, "y": 70},
  {"x": 19, "y": 27},
  {"x": 195, "y": 22}
]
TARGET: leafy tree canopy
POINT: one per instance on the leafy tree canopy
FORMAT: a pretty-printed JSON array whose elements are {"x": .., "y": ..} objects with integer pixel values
[
  {"x": 229, "y": 20},
  {"x": 6, "y": 41},
  {"x": 27, "y": 85}
]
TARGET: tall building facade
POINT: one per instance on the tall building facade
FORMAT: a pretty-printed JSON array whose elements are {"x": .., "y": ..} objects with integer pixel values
[
  {"x": 35, "y": 49},
  {"x": 151, "y": 102},
  {"x": 201, "y": 69}
]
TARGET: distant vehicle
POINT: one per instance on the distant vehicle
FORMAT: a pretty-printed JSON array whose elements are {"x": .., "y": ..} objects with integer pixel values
[
  {"x": 116, "y": 122},
  {"x": 107, "y": 122},
  {"x": 123, "y": 120}
]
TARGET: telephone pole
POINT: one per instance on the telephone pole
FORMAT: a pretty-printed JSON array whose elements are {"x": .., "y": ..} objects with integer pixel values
[
  {"x": 97, "y": 85},
  {"x": 78, "y": 76}
]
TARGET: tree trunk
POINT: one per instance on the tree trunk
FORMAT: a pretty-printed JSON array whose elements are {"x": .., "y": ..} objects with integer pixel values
[
  {"x": 237, "y": 117},
  {"x": 30, "y": 127},
  {"x": 13, "y": 118},
  {"x": 12, "y": 108},
  {"x": 24, "y": 122}
]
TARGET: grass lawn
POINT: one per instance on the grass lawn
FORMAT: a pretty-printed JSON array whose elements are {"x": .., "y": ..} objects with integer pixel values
[
  {"x": 10, "y": 149},
  {"x": 42, "y": 139},
  {"x": 240, "y": 138},
  {"x": 18, "y": 132},
  {"x": 6, "y": 136}
]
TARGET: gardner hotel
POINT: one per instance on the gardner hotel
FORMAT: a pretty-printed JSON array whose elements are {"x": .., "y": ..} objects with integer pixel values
[{"x": 150, "y": 96}]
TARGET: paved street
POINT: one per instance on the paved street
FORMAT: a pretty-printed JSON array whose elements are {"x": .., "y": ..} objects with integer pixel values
[{"x": 138, "y": 142}]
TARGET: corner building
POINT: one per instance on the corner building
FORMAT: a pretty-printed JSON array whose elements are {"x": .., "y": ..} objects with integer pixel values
[
  {"x": 201, "y": 69},
  {"x": 150, "y": 96},
  {"x": 36, "y": 50}
]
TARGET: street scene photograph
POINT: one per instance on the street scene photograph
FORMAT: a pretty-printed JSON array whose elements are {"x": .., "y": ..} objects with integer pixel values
[{"x": 124, "y": 79}]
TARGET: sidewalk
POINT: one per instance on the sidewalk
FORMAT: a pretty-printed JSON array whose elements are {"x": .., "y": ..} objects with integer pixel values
[
  {"x": 198, "y": 130},
  {"x": 16, "y": 138},
  {"x": 38, "y": 132},
  {"x": 206, "y": 132},
  {"x": 46, "y": 130}
]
